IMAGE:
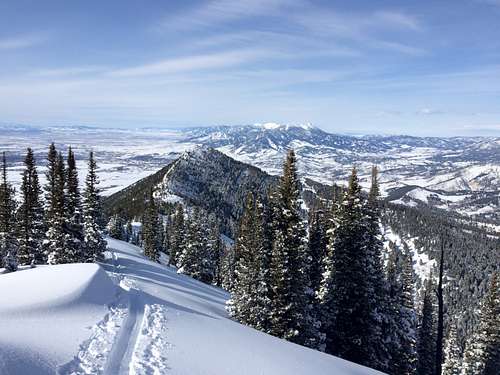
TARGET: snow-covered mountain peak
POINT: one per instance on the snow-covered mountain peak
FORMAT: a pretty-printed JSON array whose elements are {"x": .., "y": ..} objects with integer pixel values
[{"x": 284, "y": 127}]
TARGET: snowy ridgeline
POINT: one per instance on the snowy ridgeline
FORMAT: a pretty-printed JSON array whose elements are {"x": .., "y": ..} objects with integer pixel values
[{"x": 133, "y": 316}]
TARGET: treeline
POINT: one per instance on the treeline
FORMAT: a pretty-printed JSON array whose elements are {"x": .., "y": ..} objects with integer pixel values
[
  {"x": 191, "y": 238},
  {"x": 54, "y": 224},
  {"x": 325, "y": 286},
  {"x": 473, "y": 257}
]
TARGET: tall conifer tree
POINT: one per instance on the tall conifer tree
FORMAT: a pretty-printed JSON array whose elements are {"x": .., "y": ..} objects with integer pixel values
[
  {"x": 8, "y": 242},
  {"x": 30, "y": 215},
  {"x": 57, "y": 243},
  {"x": 151, "y": 230},
  {"x": 289, "y": 277},
  {"x": 94, "y": 244},
  {"x": 73, "y": 210},
  {"x": 177, "y": 236},
  {"x": 344, "y": 289},
  {"x": 403, "y": 318}
]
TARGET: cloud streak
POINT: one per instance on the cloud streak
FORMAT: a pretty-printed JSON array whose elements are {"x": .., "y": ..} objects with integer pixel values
[
  {"x": 22, "y": 41},
  {"x": 194, "y": 63},
  {"x": 218, "y": 12}
]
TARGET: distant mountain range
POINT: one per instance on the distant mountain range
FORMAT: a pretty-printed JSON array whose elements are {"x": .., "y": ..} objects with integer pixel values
[{"x": 458, "y": 173}]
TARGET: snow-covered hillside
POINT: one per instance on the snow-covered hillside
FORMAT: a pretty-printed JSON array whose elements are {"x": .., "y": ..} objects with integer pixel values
[{"x": 133, "y": 316}]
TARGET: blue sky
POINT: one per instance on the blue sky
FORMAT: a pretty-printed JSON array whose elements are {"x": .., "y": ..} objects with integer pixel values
[{"x": 413, "y": 67}]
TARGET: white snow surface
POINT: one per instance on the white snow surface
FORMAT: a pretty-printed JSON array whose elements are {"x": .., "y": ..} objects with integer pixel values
[{"x": 133, "y": 316}]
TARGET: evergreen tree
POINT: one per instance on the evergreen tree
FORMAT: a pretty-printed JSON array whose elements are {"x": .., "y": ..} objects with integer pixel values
[
  {"x": 344, "y": 291},
  {"x": 289, "y": 277},
  {"x": 239, "y": 306},
  {"x": 426, "y": 348},
  {"x": 151, "y": 230},
  {"x": 403, "y": 320},
  {"x": 376, "y": 336},
  {"x": 261, "y": 291},
  {"x": 94, "y": 244},
  {"x": 194, "y": 255},
  {"x": 57, "y": 243},
  {"x": 251, "y": 303},
  {"x": 73, "y": 210},
  {"x": 50, "y": 187},
  {"x": 115, "y": 227},
  {"x": 8, "y": 242},
  {"x": 482, "y": 354},
  {"x": 318, "y": 242},
  {"x": 177, "y": 236},
  {"x": 216, "y": 249},
  {"x": 30, "y": 216},
  {"x": 228, "y": 268},
  {"x": 452, "y": 354}
]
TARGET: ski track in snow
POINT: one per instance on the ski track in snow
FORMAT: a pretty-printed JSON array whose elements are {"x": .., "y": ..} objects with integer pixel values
[
  {"x": 147, "y": 358},
  {"x": 121, "y": 352},
  {"x": 93, "y": 354},
  {"x": 129, "y": 340}
]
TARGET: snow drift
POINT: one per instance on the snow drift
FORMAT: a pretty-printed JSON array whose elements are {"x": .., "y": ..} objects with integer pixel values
[{"x": 133, "y": 316}]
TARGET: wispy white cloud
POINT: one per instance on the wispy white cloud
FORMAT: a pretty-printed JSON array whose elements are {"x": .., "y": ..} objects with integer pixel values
[
  {"x": 396, "y": 19},
  {"x": 360, "y": 29},
  {"x": 22, "y": 41},
  {"x": 194, "y": 63},
  {"x": 429, "y": 111},
  {"x": 68, "y": 71},
  {"x": 217, "y": 12}
]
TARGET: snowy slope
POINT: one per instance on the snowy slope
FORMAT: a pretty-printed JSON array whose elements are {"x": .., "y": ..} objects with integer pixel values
[{"x": 138, "y": 317}]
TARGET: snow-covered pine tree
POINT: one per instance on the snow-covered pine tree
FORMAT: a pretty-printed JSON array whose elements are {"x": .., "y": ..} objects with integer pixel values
[
  {"x": 344, "y": 290},
  {"x": 240, "y": 304},
  {"x": 94, "y": 243},
  {"x": 228, "y": 267},
  {"x": 8, "y": 242},
  {"x": 318, "y": 242},
  {"x": 403, "y": 318},
  {"x": 375, "y": 283},
  {"x": 57, "y": 246},
  {"x": 193, "y": 258},
  {"x": 482, "y": 353},
  {"x": 289, "y": 277},
  {"x": 167, "y": 230},
  {"x": 251, "y": 302},
  {"x": 50, "y": 186},
  {"x": 73, "y": 210},
  {"x": 426, "y": 347},
  {"x": 452, "y": 363},
  {"x": 208, "y": 225},
  {"x": 324, "y": 295},
  {"x": 115, "y": 227},
  {"x": 151, "y": 230},
  {"x": 261, "y": 289},
  {"x": 177, "y": 236},
  {"x": 216, "y": 249},
  {"x": 30, "y": 215}
]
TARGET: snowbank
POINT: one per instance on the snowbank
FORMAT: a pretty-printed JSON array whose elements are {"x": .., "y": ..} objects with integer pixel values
[
  {"x": 47, "y": 312},
  {"x": 75, "y": 319}
]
